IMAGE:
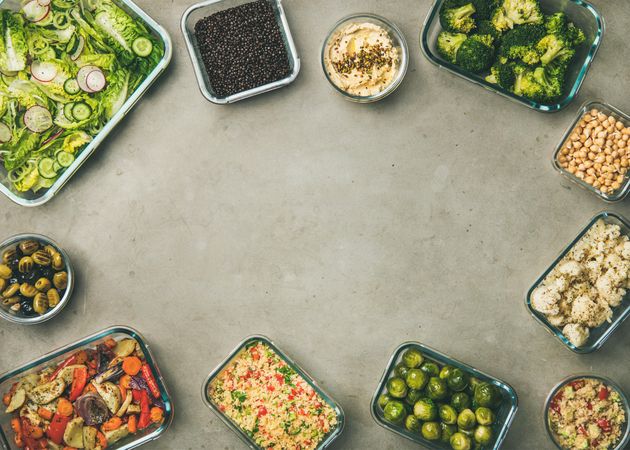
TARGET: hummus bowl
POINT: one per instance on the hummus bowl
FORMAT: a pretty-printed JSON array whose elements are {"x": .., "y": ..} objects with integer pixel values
[{"x": 365, "y": 57}]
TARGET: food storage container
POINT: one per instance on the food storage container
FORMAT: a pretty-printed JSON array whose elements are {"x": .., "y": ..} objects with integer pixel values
[
  {"x": 581, "y": 13},
  {"x": 204, "y": 9},
  {"x": 504, "y": 415},
  {"x": 397, "y": 38},
  {"x": 625, "y": 433},
  {"x": 609, "y": 110},
  {"x": 19, "y": 318},
  {"x": 246, "y": 343},
  {"x": 600, "y": 334},
  {"x": 44, "y": 195},
  {"x": 117, "y": 332}
]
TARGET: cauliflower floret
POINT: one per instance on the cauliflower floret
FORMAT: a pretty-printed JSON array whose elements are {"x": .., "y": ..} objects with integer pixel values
[
  {"x": 608, "y": 290},
  {"x": 557, "y": 321},
  {"x": 570, "y": 268},
  {"x": 625, "y": 250},
  {"x": 576, "y": 334},
  {"x": 586, "y": 312},
  {"x": 545, "y": 300}
]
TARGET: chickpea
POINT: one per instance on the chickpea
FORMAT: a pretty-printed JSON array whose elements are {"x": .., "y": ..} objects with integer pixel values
[
  {"x": 588, "y": 117},
  {"x": 589, "y": 180},
  {"x": 615, "y": 186}
]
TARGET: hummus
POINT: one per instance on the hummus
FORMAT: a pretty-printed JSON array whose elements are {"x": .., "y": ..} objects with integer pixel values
[{"x": 361, "y": 59}]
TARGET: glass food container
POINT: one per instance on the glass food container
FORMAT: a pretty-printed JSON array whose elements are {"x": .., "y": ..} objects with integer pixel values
[
  {"x": 204, "y": 9},
  {"x": 504, "y": 415},
  {"x": 57, "y": 356},
  {"x": 44, "y": 195},
  {"x": 246, "y": 343},
  {"x": 9, "y": 315},
  {"x": 625, "y": 432},
  {"x": 398, "y": 40},
  {"x": 598, "y": 336},
  {"x": 609, "y": 110},
  {"x": 580, "y": 12}
]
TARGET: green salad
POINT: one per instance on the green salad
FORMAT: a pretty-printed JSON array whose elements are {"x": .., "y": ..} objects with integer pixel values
[{"x": 66, "y": 67}]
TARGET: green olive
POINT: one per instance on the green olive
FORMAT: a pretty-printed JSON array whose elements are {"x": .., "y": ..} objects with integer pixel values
[
  {"x": 11, "y": 290},
  {"x": 41, "y": 258},
  {"x": 484, "y": 416},
  {"x": 53, "y": 297},
  {"x": 458, "y": 380},
  {"x": 466, "y": 420},
  {"x": 10, "y": 301},
  {"x": 3, "y": 284},
  {"x": 431, "y": 431},
  {"x": 401, "y": 370},
  {"x": 412, "y": 423},
  {"x": 460, "y": 401},
  {"x": 483, "y": 435},
  {"x": 416, "y": 379},
  {"x": 40, "y": 303},
  {"x": 57, "y": 261},
  {"x": 43, "y": 284},
  {"x": 396, "y": 387},
  {"x": 26, "y": 264},
  {"x": 5, "y": 271},
  {"x": 9, "y": 255},
  {"x": 459, "y": 441},
  {"x": 394, "y": 411},
  {"x": 431, "y": 369},
  {"x": 383, "y": 400},
  {"x": 436, "y": 388},
  {"x": 448, "y": 414},
  {"x": 29, "y": 247},
  {"x": 412, "y": 358},
  {"x": 60, "y": 280},
  {"x": 425, "y": 410},
  {"x": 28, "y": 290}
]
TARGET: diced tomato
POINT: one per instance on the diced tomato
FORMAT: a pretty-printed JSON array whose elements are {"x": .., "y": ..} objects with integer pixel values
[
  {"x": 589, "y": 406},
  {"x": 604, "y": 425},
  {"x": 270, "y": 388},
  {"x": 280, "y": 378},
  {"x": 603, "y": 393},
  {"x": 577, "y": 384},
  {"x": 554, "y": 406},
  {"x": 254, "y": 353},
  {"x": 262, "y": 411}
]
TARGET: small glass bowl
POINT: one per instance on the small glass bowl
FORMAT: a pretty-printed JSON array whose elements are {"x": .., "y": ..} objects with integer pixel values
[
  {"x": 397, "y": 38},
  {"x": 625, "y": 436},
  {"x": 609, "y": 110},
  {"x": 598, "y": 336},
  {"x": 6, "y": 314}
]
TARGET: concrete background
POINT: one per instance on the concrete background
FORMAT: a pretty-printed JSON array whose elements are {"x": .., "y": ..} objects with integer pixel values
[{"x": 338, "y": 230}]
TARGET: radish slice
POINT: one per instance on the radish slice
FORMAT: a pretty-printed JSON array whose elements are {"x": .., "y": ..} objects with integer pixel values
[
  {"x": 5, "y": 133},
  {"x": 43, "y": 71},
  {"x": 38, "y": 119},
  {"x": 79, "y": 49},
  {"x": 35, "y": 12},
  {"x": 96, "y": 81},
  {"x": 82, "y": 77},
  {"x": 44, "y": 2}
]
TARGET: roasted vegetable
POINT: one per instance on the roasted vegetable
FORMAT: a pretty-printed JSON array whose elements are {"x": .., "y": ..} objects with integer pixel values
[
  {"x": 47, "y": 392},
  {"x": 17, "y": 401},
  {"x": 92, "y": 408},
  {"x": 73, "y": 434},
  {"x": 110, "y": 394}
]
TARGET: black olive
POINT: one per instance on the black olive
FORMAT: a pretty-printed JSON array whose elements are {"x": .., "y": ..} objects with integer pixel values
[
  {"x": 19, "y": 252},
  {"x": 26, "y": 308},
  {"x": 14, "y": 263},
  {"x": 31, "y": 277},
  {"x": 46, "y": 272}
]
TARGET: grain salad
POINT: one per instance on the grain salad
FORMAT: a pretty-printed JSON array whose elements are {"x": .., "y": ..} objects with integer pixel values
[
  {"x": 271, "y": 402},
  {"x": 587, "y": 414}
]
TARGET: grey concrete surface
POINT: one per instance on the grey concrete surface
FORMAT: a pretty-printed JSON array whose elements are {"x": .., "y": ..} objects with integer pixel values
[{"x": 339, "y": 230}]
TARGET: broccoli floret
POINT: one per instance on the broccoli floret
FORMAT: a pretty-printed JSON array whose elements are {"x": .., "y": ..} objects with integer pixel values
[
  {"x": 516, "y": 12},
  {"x": 475, "y": 54},
  {"x": 538, "y": 84},
  {"x": 575, "y": 35},
  {"x": 449, "y": 43},
  {"x": 486, "y": 27},
  {"x": 556, "y": 23},
  {"x": 500, "y": 21},
  {"x": 555, "y": 47},
  {"x": 484, "y": 8},
  {"x": 503, "y": 75},
  {"x": 457, "y": 19},
  {"x": 520, "y": 43}
]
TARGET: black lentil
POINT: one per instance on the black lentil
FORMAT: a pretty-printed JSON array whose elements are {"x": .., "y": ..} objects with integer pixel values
[{"x": 242, "y": 48}]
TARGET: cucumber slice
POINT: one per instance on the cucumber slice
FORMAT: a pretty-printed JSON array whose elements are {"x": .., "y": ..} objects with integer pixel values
[
  {"x": 81, "y": 111},
  {"x": 45, "y": 168},
  {"x": 67, "y": 111},
  {"x": 142, "y": 47},
  {"x": 71, "y": 86},
  {"x": 65, "y": 159}
]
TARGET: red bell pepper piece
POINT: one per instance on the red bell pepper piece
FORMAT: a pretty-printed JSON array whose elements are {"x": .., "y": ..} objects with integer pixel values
[
  {"x": 604, "y": 425},
  {"x": 68, "y": 362},
  {"x": 603, "y": 393},
  {"x": 150, "y": 379},
  {"x": 57, "y": 427},
  {"x": 79, "y": 380},
  {"x": 30, "y": 443},
  {"x": 145, "y": 410}
]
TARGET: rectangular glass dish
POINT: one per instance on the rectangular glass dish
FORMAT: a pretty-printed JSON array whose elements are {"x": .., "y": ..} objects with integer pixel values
[
  {"x": 580, "y": 12},
  {"x": 504, "y": 415},
  {"x": 246, "y": 343},
  {"x": 598, "y": 336},
  {"x": 57, "y": 356},
  {"x": 609, "y": 110},
  {"x": 204, "y": 9},
  {"x": 44, "y": 195}
]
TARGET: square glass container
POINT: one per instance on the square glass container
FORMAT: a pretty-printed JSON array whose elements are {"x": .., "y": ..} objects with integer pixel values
[
  {"x": 44, "y": 195},
  {"x": 580, "y": 12},
  {"x": 609, "y": 110},
  {"x": 504, "y": 415},
  {"x": 57, "y": 356},
  {"x": 246, "y": 343},
  {"x": 598, "y": 336},
  {"x": 204, "y": 9}
]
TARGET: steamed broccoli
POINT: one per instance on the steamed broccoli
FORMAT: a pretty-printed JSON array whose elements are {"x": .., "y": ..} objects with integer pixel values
[
  {"x": 516, "y": 12},
  {"x": 484, "y": 8},
  {"x": 486, "y": 27},
  {"x": 556, "y": 23},
  {"x": 575, "y": 35},
  {"x": 555, "y": 47},
  {"x": 503, "y": 75},
  {"x": 538, "y": 84},
  {"x": 475, "y": 54},
  {"x": 457, "y": 19},
  {"x": 520, "y": 43},
  {"x": 448, "y": 44}
]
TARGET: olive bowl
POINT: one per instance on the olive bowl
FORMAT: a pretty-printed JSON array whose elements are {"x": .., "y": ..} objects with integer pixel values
[
  {"x": 10, "y": 316},
  {"x": 625, "y": 432}
]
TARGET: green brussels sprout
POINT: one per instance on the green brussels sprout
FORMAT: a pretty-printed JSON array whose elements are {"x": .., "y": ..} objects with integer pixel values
[
  {"x": 483, "y": 435},
  {"x": 431, "y": 431},
  {"x": 431, "y": 369},
  {"x": 458, "y": 380},
  {"x": 412, "y": 423},
  {"x": 383, "y": 400},
  {"x": 413, "y": 396},
  {"x": 487, "y": 395},
  {"x": 436, "y": 388},
  {"x": 466, "y": 420},
  {"x": 445, "y": 372},
  {"x": 447, "y": 432},
  {"x": 396, "y": 387},
  {"x": 425, "y": 410},
  {"x": 484, "y": 416},
  {"x": 448, "y": 415},
  {"x": 412, "y": 358},
  {"x": 408, "y": 408},
  {"x": 394, "y": 411},
  {"x": 474, "y": 382},
  {"x": 401, "y": 370},
  {"x": 460, "y": 401},
  {"x": 416, "y": 379},
  {"x": 459, "y": 441}
]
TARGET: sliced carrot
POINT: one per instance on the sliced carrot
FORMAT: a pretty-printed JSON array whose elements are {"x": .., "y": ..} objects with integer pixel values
[
  {"x": 19, "y": 442},
  {"x": 102, "y": 440},
  {"x": 64, "y": 407},
  {"x": 157, "y": 414},
  {"x": 110, "y": 343},
  {"x": 34, "y": 432},
  {"x": 125, "y": 381},
  {"x": 6, "y": 399},
  {"x": 45, "y": 413},
  {"x": 16, "y": 426},
  {"x": 132, "y": 365},
  {"x": 132, "y": 424},
  {"x": 112, "y": 424},
  {"x": 81, "y": 357}
]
